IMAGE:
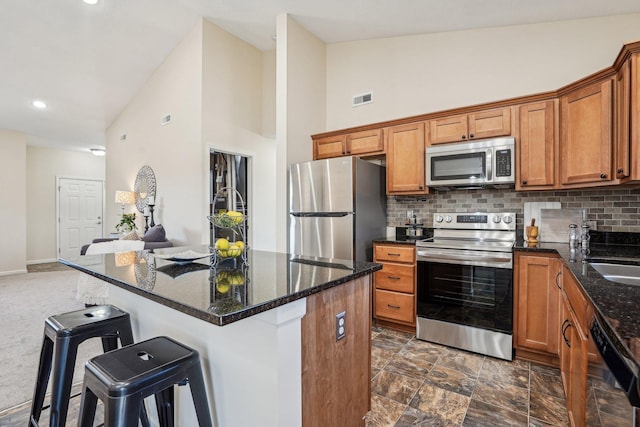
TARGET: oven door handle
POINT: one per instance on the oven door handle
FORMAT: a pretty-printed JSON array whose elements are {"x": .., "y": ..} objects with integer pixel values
[{"x": 447, "y": 256}]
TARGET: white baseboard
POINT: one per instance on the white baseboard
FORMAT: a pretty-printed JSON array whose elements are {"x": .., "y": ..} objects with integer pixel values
[
  {"x": 9, "y": 273},
  {"x": 42, "y": 261}
]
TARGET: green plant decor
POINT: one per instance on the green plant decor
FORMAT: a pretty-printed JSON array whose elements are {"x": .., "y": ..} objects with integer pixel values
[{"x": 127, "y": 223}]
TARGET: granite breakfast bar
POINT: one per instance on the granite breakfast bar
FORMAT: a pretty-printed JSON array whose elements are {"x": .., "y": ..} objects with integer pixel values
[{"x": 265, "y": 331}]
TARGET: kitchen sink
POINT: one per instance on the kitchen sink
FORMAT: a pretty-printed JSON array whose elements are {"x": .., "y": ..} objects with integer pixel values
[{"x": 619, "y": 273}]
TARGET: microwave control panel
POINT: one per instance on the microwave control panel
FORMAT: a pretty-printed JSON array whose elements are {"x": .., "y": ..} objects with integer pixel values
[{"x": 503, "y": 162}]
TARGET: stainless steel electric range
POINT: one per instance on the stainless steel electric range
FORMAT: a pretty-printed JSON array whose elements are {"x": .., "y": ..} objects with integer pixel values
[{"x": 465, "y": 282}]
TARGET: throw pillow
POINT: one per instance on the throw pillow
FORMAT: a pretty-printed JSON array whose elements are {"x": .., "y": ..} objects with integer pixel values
[
  {"x": 155, "y": 234},
  {"x": 131, "y": 236}
]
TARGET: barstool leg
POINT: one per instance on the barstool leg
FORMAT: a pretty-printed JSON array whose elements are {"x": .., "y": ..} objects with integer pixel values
[
  {"x": 199, "y": 396},
  {"x": 88, "y": 405},
  {"x": 165, "y": 406},
  {"x": 126, "y": 334},
  {"x": 122, "y": 412},
  {"x": 44, "y": 371},
  {"x": 64, "y": 361}
]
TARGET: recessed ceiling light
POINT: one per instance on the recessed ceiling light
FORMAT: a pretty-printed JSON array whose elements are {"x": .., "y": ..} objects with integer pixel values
[
  {"x": 97, "y": 151},
  {"x": 39, "y": 104},
  {"x": 90, "y": 1}
]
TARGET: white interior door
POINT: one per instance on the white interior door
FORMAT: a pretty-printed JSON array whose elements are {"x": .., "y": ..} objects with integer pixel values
[{"x": 80, "y": 212}]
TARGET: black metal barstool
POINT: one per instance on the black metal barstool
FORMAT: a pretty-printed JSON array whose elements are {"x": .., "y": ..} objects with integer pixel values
[
  {"x": 123, "y": 378},
  {"x": 63, "y": 333}
]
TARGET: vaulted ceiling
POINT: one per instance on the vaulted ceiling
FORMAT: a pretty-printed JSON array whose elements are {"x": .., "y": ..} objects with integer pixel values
[{"x": 86, "y": 62}]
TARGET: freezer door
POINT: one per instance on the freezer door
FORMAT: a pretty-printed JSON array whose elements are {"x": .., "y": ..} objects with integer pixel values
[
  {"x": 327, "y": 237},
  {"x": 322, "y": 186}
]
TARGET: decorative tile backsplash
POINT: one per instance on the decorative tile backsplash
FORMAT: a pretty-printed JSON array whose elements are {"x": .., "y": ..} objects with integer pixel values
[{"x": 613, "y": 209}]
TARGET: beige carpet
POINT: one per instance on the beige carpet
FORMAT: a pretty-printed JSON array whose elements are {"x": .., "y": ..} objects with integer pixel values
[{"x": 26, "y": 300}]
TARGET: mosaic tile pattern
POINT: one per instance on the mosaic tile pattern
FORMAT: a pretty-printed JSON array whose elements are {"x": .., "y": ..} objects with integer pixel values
[
  {"x": 613, "y": 209},
  {"x": 417, "y": 383}
]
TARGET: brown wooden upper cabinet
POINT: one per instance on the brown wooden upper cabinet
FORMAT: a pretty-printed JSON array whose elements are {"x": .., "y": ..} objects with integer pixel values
[
  {"x": 538, "y": 150},
  {"x": 480, "y": 125},
  {"x": 368, "y": 142},
  {"x": 586, "y": 135},
  {"x": 627, "y": 121},
  {"x": 405, "y": 159}
]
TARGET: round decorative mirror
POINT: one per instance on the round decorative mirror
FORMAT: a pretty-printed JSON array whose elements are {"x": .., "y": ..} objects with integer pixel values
[{"x": 144, "y": 187}]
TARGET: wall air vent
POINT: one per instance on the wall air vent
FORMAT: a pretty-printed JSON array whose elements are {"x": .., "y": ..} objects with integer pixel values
[{"x": 365, "y": 98}]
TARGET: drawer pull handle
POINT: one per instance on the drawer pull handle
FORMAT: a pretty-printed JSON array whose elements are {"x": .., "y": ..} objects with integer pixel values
[
  {"x": 396, "y": 307},
  {"x": 391, "y": 254},
  {"x": 394, "y": 277}
]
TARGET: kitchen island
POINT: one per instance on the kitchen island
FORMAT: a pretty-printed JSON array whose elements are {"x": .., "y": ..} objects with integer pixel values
[{"x": 265, "y": 330}]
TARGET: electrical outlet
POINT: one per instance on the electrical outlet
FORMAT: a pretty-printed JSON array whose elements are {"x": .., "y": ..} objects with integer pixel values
[{"x": 341, "y": 325}]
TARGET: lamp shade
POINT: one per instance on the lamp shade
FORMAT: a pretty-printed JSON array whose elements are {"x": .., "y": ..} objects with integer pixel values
[{"x": 125, "y": 197}]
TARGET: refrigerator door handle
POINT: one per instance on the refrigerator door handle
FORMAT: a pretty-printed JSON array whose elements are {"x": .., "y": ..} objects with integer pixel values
[{"x": 320, "y": 214}]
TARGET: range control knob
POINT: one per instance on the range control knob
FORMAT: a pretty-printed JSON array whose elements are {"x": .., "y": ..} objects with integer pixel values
[
  {"x": 497, "y": 219},
  {"x": 507, "y": 219},
  {"x": 438, "y": 218},
  {"x": 448, "y": 218}
]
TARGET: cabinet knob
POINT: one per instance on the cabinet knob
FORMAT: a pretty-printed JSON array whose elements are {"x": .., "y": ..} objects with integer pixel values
[
  {"x": 463, "y": 136},
  {"x": 620, "y": 170},
  {"x": 603, "y": 175},
  {"x": 524, "y": 182},
  {"x": 470, "y": 135},
  {"x": 420, "y": 187}
]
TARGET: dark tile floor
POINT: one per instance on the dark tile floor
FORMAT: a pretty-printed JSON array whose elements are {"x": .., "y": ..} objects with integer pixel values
[{"x": 416, "y": 383}]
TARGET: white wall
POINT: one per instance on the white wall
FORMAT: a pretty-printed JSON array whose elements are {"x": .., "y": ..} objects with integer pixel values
[
  {"x": 13, "y": 205},
  {"x": 426, "y": 73},
  {"x": 44, "y": 165},
  {"x": 300, "y": 106},
  {"x": 173, "y": 151},
  {"x": 233, "y": 121}
]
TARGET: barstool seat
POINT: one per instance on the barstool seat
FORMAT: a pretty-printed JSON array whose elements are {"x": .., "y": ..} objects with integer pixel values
[
  {"x": 123, "y": 378},
  {"x": 63, "y": 333}
]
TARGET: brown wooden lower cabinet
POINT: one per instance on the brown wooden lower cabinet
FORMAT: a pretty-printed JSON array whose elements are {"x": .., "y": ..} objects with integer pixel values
[
  {"x": 336, "y": 386},
  {"x": 394, "y": 299},
  {"x": 537, "y": 284},
  {"x": 551, "y": 314},
  {"x": 574, "y": 365}
]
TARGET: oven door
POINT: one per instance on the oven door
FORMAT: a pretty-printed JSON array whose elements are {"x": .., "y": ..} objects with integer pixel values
[{"x": 470, "y": 295}]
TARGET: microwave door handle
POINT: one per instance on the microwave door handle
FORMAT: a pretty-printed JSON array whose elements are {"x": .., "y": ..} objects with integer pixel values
[{"x": 489, "y": 165}]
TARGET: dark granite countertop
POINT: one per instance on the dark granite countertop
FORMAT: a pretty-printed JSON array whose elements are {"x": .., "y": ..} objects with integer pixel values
[
  {"x": 618, "y": 305},
  {"x": 227, "y": 293}
]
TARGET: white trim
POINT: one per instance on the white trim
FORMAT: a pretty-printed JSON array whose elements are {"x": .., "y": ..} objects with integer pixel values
[
  {"x": 42, "y": 261},
  {"x": 11, "y": 273}
]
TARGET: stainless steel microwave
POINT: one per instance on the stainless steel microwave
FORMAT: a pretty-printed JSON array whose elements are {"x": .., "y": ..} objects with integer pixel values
[{"x": 481, "y": 163}]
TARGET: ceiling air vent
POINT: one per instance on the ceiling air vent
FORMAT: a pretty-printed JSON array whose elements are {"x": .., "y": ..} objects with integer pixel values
[{"x": 365, "y": 98}]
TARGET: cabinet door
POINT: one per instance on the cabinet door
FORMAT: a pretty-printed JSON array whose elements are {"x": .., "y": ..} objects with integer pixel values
[
  {"x": 586, "y": 142},
  {"x": 365, "y": 142},
  {"x": 330, "y": 146},
  {"x": 490, "y": 123},
  {"x": 448, "y": 129},
  {"x": 623, "y": 120},
  {"x": 538, "y": 303},
  {"x": 537, "y": 154},
  {"x": 573, "y": 364},
  {"x": 405, "y": 159}
]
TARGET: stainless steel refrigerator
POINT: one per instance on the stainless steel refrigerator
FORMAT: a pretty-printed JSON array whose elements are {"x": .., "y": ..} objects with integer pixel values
[{"x": 336, "y": 208}]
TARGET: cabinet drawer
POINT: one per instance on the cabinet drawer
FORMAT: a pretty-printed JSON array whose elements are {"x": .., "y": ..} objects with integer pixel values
[
  {"x": 394, "y": 306},
  {"x": 395, "y": 277},
  {"x": 576, "y": 298},
  {"x": 395, "y": 253}
]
